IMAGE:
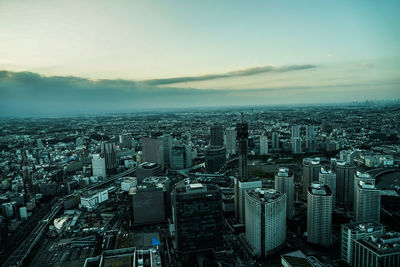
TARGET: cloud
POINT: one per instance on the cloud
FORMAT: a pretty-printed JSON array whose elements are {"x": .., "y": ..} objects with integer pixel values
[
  {"x": 365, "y": 66},
  {"x": 231, "y": 74}
]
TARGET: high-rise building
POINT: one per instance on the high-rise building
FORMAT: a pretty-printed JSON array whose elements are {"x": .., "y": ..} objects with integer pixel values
[
  {"x": 153, "y": 150},
  {"x": 296, "y": 145},
  {"x": 110, "y": 155},
  {"x": 230, "y": 141},
  {"x": 368, "y": 202},
  {"x": 275, "y": 141},
  {"x": 181, "y": 157},
  {"x": 310, "y": 139},
  {"x": 311, "y": 168},
  {"x": 239, "y": 201},
  {"x": 216, "y": 135},
  {"x": 125, "y": 141},
  {"x": 355, "y": 231},
  {"x": 295, "y": 131},
  {"x": 329, "y": 178},
  {"x": 263, "y": 145},
  {"x": 147, "y": 169},
  {"x": 151, "y": 200},
  {"x": 319, "y": 214},
  {"x": 215, "y": 158},
  {"x": 345, "y": 183},
  {"x": 265, "y": 220},
  {"x": 284, "y": 183},
  {"x": 242, "y": 136},
  {"x": 380, "y": 250},
  {"x": 361, "y": 176},
  {"x": 99, "y": 166},
  {"x": 197, "y": 217},
  {"x": 168, "y": 144}
]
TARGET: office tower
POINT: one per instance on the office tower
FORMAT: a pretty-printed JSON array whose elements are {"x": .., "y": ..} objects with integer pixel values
[
  {"x": 295, "y": 131},
  {"x": 181, "y": 157},
  {"x": 153, "y": 150},
  {"x": 310, "y": 139},
  {"x": 368, "y": 202},
  {"x": 355, "y": 231},
  {"x": 99, "y": 166},
  {"x": 319, "y": 214},
  {"x": 284, "y": 183},
  {"x": 168, "y": 144},
  {"x": 197, "y": 217},
  {"x": 230, "y": 141},
  {"x": 311, "y": 168},
  {"x": 216, "y": 135},
  {"x": 110, "y": 155},
  {"x": 333, "y": 164},
  {"x": 151, "y": 200},
  {"x": 345, "y": 183},
  {"x": 329, "y": 178},
  {"x": 242, "y": 135},
  {"x": 381, "y": 250},
  {"x": 215, "y": 158},
  {"x": 265, "y": 220},
  {"x": 275, "y": 141},
  {"x": 239, "y": 202},
  {"x": 147, "y": 169},
  {"x": 296, "y": 145},
  {"x": 125, "y": 141},
  {"x": 263, "y": 145},
  {"x": 361, "y": 176}
]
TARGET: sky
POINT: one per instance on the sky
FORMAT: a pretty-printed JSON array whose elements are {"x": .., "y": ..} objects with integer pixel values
[{"x": 103, "y": 56}]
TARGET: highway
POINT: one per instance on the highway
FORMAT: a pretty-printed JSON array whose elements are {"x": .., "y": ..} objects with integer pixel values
[{"x": 17, "y": 258}]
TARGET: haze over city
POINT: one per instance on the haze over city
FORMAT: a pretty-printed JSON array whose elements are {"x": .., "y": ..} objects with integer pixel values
[{"x": 68, "y": 57}]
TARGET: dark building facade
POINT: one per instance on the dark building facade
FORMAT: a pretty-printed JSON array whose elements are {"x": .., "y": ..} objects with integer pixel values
[{"x": 197, "y": 215}]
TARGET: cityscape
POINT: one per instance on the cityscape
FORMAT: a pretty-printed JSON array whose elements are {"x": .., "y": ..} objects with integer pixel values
[{"x": 205, "y": 134}]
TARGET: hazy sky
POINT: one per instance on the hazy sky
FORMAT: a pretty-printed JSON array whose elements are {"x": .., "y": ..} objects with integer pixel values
[{"x": 235, "y": 52}]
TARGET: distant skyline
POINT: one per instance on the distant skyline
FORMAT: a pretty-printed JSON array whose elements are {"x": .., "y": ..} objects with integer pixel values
[{"x": 75, "y": 56}]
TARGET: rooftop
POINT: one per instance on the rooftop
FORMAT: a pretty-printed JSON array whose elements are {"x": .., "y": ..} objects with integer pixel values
[
  {"x": 320, "y": 189},
  {"x": 264, "y": 194}
]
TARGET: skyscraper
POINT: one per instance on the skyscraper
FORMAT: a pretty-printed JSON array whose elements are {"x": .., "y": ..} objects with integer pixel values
[
  {"x": 355, "y": 231},
  {"x": 295, "y": 131},
  {"x": 216, "y": 135},
  {"x": 125, "y": 141},
  {"x": 310, "y": 139},
  {"x": 109, "y": 153},
  {"x": 167, "y": 143},
  {"x": 275, "y": 141},
  {"x": 230, "y": 141},
  {"x": 368, "y": 202},
  {"x": 99, "y": 166},
  {"x": 329, "y": 178},
  {"x": 311, "y": 168},
  {"x": 345, "y": 183},
  {"x": 296, "y": 145},
  {"x": 215, "y": 153},
  {"x": 263, "y": 145},
  {"x": 197, "y": 216},
  {"x": 242, "y": 135},
  {"x": 361, "y": 176},
  {"x": 319, "y": 214},
  {"x": 265, "y": 220},
  {"x": 153, "y": 150},
  {"x": 181, "y": 157},
  {"x": 284, "y": 183},
  {"x": 240, "y": 192}
]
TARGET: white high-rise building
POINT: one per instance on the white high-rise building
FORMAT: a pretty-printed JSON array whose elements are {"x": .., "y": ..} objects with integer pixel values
[
  {"x": 296, "y": 145},
  {"x": 295, "y": 131},
  {"x": 99, "y": 166},
  {"x": 310, "y": 138},
  {"x": 311, "y": 168},
  {"x": 265, "y": 220},
  {"x": 263, "y": 145},
  {"x": 329, "y": 178},
  {"x": 239, "y": 201},
  {"x": 361, "y": 176},
  {"x": 230, "y": 141},
  {"x": 368, "y": 202},
  {"x": 319, "y": 214},
  {"x": 284, "y": 183}
]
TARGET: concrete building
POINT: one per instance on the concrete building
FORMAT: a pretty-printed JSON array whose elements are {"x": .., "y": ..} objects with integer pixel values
[
  {"x": 368, "y": 202},
  {"x": 296, "y": 145},
  {"x": 215, "y": 158},
  {"x": 242, "y": 136},
  {"x": 265, "y": 221},
  {"x": 197, "y": 217},
  {"x": 263, "y": 145},
  {"x": 153, "y": 150},
  {"x": 125, "y": 141},
  {"x": 150, "y": 201},
  {"x": 284, "y": 183},
  {"x": 275, "y": 141},
  {"x": 110, "y": 155},
  {"x": 377, "y": 251},
  {"x": 127, "y": 183},
  {"x": 99, "y": 166},
  {"x": 319, "y": 214},
  {"x": 351, "y": 232},
  {"x": 329, "y": 178},
  {"x": 168, "y": 144},
  {"x": 240, "y": 191},
  {"x": 230, "y": 141},
  {"x": 345, "y": 183},
  {"x": 181, "y": 157},
  {"x": 311, "y": 169},
  {"x": 91, "y": 200},
  {"x": 147, "y": 169},
  {"x": 216, "y": 135},
  {"x": 361, "y": 176},
  {"x": 295, "y": 131},
  {"x": 310, "y": 139}
]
